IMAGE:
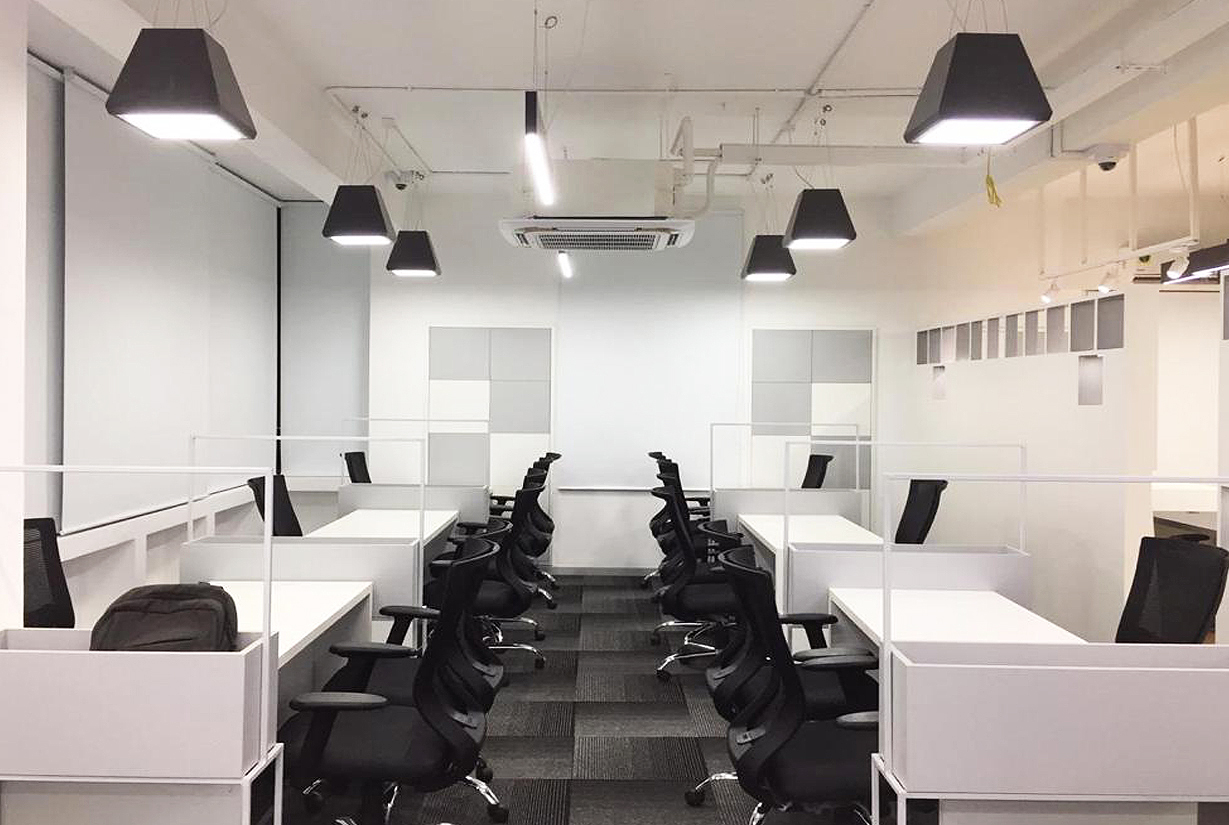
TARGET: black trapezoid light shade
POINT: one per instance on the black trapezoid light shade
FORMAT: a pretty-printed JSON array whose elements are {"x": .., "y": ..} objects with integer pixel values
[
  {"x": 177, "y": 84},
  {"x": 412, "y": 255},
  {"x": 357, "y": 217},
  {"x": 768, "y": 261},
  {"x": 981, "y": 90},
  {"x": 819, "y": 221}
]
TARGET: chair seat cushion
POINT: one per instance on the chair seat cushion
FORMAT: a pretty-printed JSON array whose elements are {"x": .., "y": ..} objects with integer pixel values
[
  {"x": 823, "y": 763},
  {"x": 393, "y": 743},
  {"x": 825, "y": 699},
  {"x": 707, "y": 600}
]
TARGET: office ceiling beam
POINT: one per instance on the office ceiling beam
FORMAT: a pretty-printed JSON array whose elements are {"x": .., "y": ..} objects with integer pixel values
[
  {"x": 298, "y": 132},
  {"x": 1175, "y": 62}
]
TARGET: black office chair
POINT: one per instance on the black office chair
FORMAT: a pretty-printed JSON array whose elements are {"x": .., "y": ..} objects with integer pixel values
[
  {"x": 921, "y": 507},
  {"x": 47, "y": 600},
  {"x": 285, "y": 522},
  {"x": 1175, "y": 594},
  {"x": 817, "y": 468},
  {"x": 430, "y": 745},
  {"x": 783, "y": 759},
  {"x": 356, "y": 467}
]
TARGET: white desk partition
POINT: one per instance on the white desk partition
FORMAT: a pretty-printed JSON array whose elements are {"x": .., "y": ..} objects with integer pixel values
[
  {"x": 997, "y": 713},
  {"x": 470, "y": 503},
  {"x": 746, "y": 458},
  {"x": 134, "y": 729}
]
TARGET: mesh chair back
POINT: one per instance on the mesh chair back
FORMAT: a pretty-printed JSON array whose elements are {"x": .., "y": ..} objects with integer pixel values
[
  {"x": 817, "y": 468},
  {"x": 356, "y": 467},
  {"x": 285, "y": 522},
  {"x": 1175, "y": 594},
  {"x": 47, "y": 600},
  {"x": 921, "y": 507}
]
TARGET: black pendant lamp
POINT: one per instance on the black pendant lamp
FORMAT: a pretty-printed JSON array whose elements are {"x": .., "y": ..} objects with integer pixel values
[
  {"x": 412, "y": 255},
  {"x": 768, "y": 261},
  {"x": 177, "y": 84},
  {"x": 819, "y": 221},
  {"x": 981, "y": 90},
  {"x": 357, "y": 217}
]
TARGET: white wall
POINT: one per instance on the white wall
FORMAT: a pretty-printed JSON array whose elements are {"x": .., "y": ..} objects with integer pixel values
[
  {"x": 1188, "y": 343},
  {"x": 13, "y": 107},
  {"x": 324, "y": 339}
]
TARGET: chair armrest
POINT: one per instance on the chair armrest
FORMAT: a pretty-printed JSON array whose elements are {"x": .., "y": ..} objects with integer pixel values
[
  {"x": 813, "y": 624},
  {"x": 699, "y": 499},
  {"x": 371, "y": 650},
  {"x": 409, "y": 611},
  {"x": 503, "y": 498},
  {"x": 854, "y": 661},
  {"x": 496, "y": 509},
  {"x": 828, "y": 652},
  {"x": 865, "y": 720},
  {"x": 337, "y": 701},
  {"x": 472, "y": 526}
]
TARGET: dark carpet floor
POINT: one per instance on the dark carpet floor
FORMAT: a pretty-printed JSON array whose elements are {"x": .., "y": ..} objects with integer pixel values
[{"x": 595, "y": 738}]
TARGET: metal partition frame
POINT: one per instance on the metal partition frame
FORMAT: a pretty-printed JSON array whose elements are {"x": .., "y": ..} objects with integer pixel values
[
  {"x": 341, "y": 439},
  {"x": 712, "y": 436},
  {"x": 266, "y": 629},
  {"x": 887, "y": 646}
]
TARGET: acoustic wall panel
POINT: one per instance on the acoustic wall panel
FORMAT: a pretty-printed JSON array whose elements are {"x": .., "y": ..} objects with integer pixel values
[
  {"x": 169, "y": 313},
  {"x": 1110, "y": 322},
  {"x": 1083, "y": 336},
  {"x": 783, "y": 403},
  {"x": 1056, "y": 329},
  {"x": 993, "y": 338},
  {"x": 520, "y": 354},
  {"x": 842, "y": 403},
  {"x": 781, "y": 355},
  {"x": 842, "y": 356},
  {"x": 520, "y": 406},
  {"x": 460, "y": 353},
  {"x": 458, "y": 458},
  {"x": 457, "y": 401}
]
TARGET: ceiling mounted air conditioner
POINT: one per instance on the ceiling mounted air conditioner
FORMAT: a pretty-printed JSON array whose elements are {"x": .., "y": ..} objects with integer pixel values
[{"x": 589, "y": 234}]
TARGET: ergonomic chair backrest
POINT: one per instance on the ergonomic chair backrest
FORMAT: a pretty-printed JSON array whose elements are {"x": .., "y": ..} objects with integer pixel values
[
  {"x": 356, "y": 467},
  {"x": 817, "y": 468},
  {"x": 921, "y": 507},
  {"x": 1175, "y": 594},
  {"x": 285, "y": 522},
  {"x": 47, "y": 600}
]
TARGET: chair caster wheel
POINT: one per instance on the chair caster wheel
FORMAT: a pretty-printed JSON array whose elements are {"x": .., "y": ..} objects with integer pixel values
[
  {"x": 497, "y": 813},
  {"x": 694, "y": 798},
  {"x": 655, "y": 640},
  {"x": 644, "y": 584},
  {"x": 538, "y": 635},
  {"x": 552, "y": 605},
  {"x": 663, "y": 675},
  {"x": 313, "y": 801},
  {"x": 484, "y": 773},
  {"x": 539, "y": 663}
]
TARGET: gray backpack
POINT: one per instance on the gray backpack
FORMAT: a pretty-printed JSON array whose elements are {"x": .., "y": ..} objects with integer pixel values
[{"x": 196, "y": 617}]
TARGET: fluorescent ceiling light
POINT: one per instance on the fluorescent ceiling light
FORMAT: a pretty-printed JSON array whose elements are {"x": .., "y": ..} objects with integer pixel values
[
  {"x": 535, "y": 152},
  {"x": 357, "y": 217},
  {"x": 177, "y": 84},
  {"x": 981, "y": 90},
  {"x": 768, "y": 261},
  {"x": 413, "y": 256},
  {"x": 565, "y": 264},
  {"x": 819, "y": 221}
]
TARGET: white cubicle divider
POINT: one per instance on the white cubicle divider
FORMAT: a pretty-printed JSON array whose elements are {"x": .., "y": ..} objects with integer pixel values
[
  {"x": 168, "y": 725},
  {"x": 730, "y": 503},
  {"x": 1022, "y": 724},
  {"x": 746, "y": 455},
  {"x": 471, "y": 503}
]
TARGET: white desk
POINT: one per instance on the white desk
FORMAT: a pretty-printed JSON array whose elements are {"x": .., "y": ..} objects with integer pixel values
[
  {"x": 388, "y": 524},
  {"x": 302, "y": 611},
  {"x": 769, "y": 530},
  {"x": 946, "y": 616}
]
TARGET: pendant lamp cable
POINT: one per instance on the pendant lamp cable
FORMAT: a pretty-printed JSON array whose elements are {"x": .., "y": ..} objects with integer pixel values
[{"x": 576, "y": 59}]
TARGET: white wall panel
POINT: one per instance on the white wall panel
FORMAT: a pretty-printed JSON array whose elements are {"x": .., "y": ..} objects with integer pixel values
[{"x": 169, "y": 325}]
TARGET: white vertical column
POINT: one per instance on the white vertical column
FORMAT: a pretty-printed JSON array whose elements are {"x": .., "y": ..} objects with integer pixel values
[{"x": 12, "y": 301}]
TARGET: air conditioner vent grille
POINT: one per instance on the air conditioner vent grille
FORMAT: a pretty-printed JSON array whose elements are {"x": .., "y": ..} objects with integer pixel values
[{"x": 599, "y": 241}]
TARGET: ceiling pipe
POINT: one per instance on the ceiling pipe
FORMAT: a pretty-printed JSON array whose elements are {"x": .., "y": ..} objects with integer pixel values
[
  {"x": 709, "y": 180},
  {"x": 843, "y": 93},
  {"x": 820, "y": 155},
  {"x": 685, "y": 145}
]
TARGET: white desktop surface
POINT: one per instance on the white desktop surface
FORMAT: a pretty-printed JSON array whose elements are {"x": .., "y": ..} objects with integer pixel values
[
  {"x": 947, "y": 616},
  {"x": 302, "y": 611},
  {"x": 769, "y": 530},
  {"x": 386, "y": 524}
]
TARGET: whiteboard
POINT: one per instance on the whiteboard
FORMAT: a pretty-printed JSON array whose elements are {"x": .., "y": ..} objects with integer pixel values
[
  {"x": 169, "y": 313},
  {"x": 647, "y": 356}
]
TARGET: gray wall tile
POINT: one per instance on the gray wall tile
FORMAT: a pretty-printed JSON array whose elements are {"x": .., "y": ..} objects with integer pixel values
[
  {"x": 776, "y": 401},
  {"x": 520, "y": 406},
  {"x": 458, "y": 458},
  {"x": 520, "y": 354},
  {"x": 1090, "y": 380},
  {"x": 842, "y": 356},
  {"x": 460, "y": 353},
  {"x": 780, "y": 355}
]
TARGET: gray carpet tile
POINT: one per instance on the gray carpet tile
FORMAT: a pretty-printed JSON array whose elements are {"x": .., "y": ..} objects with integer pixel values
[
  {"x": 537, "y": 801},
  {"x": 619, "y": 661},
  {"x": 530, "y": 757},
  {"x": 633, "y": 719},
  {"x": 639, "y": 757},
  {"x": 539, "y": 686},
  {"x": 599, "y": 639},
  {"x": 650, "y": 803},
  {"x": 705, "y": 719},
  {"x": 716, "y": 753},
  {"x": 619, "y": 621},
  {"x": 625, "y": 687},
  {"x": 631, "y": 583},
  {"x": 509, "y": 718},
  {"x": 558, "y": 662},
  {"x": 617, "y": 600}
]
